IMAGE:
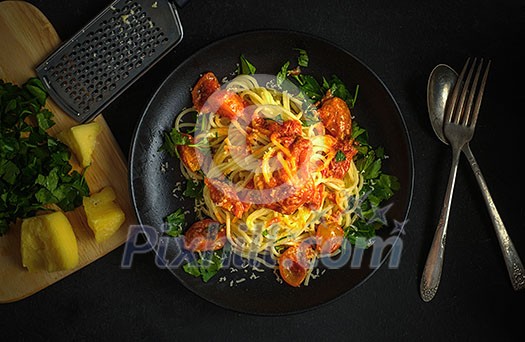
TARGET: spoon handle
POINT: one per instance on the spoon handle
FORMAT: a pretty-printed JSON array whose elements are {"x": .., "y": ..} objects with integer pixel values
[
  {"x": 510, "y": 255},
  {"x": 434, "y": 264}
]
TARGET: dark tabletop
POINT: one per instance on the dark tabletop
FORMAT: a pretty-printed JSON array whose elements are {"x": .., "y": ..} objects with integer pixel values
[{"x": 401, "y": 41}]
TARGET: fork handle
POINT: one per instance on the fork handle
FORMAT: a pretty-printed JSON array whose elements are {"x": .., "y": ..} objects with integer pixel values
[
  {"x": 434, "y": 264},
  {"x": 510, "y": 255}
]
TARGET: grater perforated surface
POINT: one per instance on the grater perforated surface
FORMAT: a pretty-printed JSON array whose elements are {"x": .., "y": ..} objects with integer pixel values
[{"x": 90, "y": 70}]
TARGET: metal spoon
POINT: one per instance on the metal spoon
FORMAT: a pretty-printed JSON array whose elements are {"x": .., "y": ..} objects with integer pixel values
[{"x": 440, "y": 83}]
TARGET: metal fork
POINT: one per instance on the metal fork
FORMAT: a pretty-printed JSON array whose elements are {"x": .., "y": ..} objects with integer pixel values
[{"x": 459, "y": 122}]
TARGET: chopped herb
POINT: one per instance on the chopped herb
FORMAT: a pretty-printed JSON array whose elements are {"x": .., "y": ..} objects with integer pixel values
[
  {"x": 206, "y": 266},
  {"x": 303, "y": 59},
  {"x": 340, "y": 156},
  {"x": 309, "y": 86},
  {"x": 193, "y": 189},
  {"x": 175, "y": 223},
  {"x": 246, "y": 68},
  {"x": 34, "y": 167},
  {"x": 174, "y": 138},
  {"x": 338, "y": 88},
  {"x": 369, "y": 165},
  {"x": 359, "y": 134},
  {"x": 283, "y": 74}
]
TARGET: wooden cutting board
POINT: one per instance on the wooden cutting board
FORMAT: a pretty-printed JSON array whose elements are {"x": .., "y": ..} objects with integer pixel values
[{"x": 26, "y": 38}]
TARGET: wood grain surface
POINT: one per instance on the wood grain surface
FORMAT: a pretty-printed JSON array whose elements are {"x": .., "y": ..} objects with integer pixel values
[{"x": 26, "y": 38}]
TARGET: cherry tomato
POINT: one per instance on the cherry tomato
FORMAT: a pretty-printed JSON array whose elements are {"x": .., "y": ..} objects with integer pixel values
[
  {"x": 294, "y": 264},
  {"x": 329, "y": 236},
  {"x": 188, "y": 155},
  {"x": 335, "y": 115},
  {"x": 205, "y": 86},
  {"x": 225, "y": 103},
  {"x": 205, "y": 235}
]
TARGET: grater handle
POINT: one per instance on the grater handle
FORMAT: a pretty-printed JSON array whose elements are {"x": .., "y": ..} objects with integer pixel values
[{"x": 181, "y": 3}]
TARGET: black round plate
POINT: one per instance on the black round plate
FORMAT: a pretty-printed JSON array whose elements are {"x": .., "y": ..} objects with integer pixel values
[{"x": 375, "y": 110}]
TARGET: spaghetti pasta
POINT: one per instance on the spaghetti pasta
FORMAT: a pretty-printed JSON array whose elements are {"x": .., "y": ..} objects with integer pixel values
[{"x": 270, "y": 178}]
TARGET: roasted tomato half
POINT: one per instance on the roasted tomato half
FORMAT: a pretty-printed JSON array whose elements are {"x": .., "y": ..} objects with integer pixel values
[
  {"x": 208, "y": 97},
  {"x": 335, "y": 116},
  {"x": 224, "y": 103},
  {"x": 329, "y": 236},
  {"x": 205, "y": 235},
  {"x": 295, "y": 262},
  {"x": 205, "y": 86},
  {"x": 188, "y": 155}
]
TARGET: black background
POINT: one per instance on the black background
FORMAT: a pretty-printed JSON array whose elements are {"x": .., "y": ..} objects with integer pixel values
[{"x": 401, "y": 41}]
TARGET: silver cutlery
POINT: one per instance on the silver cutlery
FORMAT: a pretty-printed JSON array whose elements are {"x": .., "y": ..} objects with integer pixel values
[
  {"x": 458, "y": 127},
  {"x": 440, "y": 83}
]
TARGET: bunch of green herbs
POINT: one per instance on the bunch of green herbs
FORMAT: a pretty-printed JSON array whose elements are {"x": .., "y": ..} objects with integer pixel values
[{"x": 34, "y": 167}]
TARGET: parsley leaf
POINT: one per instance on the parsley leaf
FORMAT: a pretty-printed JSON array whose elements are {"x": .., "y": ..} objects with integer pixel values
[
  {"x": 175, "y": 223},
  {"x": 246, "y": 68},
  {"x": 340, "y": 156},
  {"x": 283, "y": 74},
  {"x": 337, "y": 88},
  {"x": 193, "y": 189},
  {"x": 309, "y": 85},
  {"x": 206, "y": 267},
  {"x": 303, "y": 59},
  {"x": 174, "y": 138}
]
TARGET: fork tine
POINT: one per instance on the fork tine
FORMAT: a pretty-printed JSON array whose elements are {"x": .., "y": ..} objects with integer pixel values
[
  {"x": 451, "y": 106},
  {"x": 472, "y": 92},
  {"x": 475, "y": 112},
  {"x": 460, "y": 111}
]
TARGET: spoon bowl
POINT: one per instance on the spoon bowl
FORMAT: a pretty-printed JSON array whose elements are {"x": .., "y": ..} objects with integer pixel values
[{"x": 440, "y": 83}]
